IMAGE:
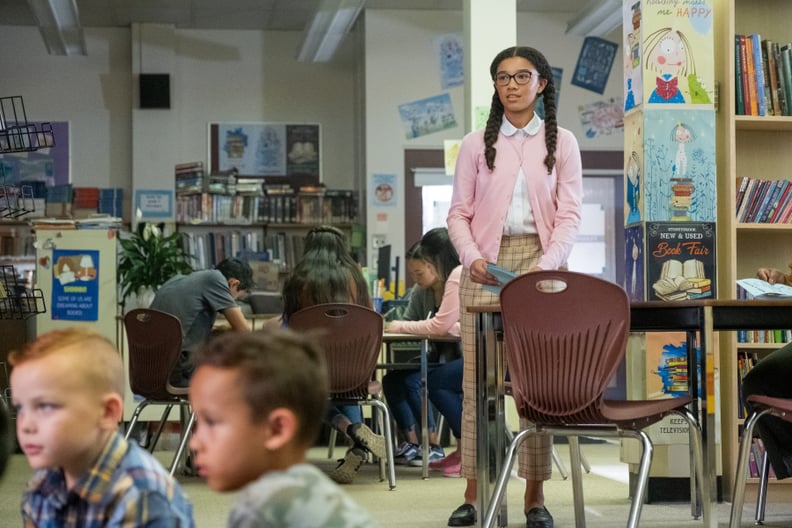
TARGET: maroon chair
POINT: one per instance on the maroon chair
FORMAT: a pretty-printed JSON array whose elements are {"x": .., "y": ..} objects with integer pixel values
[
  {"x": 351, "y": 337},
  {"x": 565, "y": 334},
  {"x": 762, "y": 405},
  {"x": 155, "y": 341}
]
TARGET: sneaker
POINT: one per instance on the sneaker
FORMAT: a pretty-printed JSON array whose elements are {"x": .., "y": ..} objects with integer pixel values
[
  {"x": 347, "y": 467},
  {"x": 436, "y": 454},
  {"x": 453, "y": 459},
  {"x": 406, "y": 453},
  {"x": 453, "y": 470},
  {"x": 366, "y": 438}
]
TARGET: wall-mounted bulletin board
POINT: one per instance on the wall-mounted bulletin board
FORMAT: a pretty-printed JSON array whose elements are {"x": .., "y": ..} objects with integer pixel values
[{"x": 271, "y": 150}]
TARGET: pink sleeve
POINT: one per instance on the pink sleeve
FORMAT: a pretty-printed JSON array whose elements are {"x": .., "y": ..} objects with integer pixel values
[
  {"x": 445, "y": 321},
  {"x": 461, "y": 210}
]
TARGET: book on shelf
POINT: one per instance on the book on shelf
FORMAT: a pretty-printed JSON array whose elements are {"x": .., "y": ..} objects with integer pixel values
[
  {"x": 739, "y": 101},
  {"x": 761, "y": 95},
  {"x": 785, "y": 53},
  {"x": 771, "y": 75}
]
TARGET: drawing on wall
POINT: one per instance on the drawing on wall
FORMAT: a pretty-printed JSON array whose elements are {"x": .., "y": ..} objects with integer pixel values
[
  {"x": 427, "y": 116},
  {"x": 450, "y": 154},
  {"x": 633, "y": 188},
  {"x": 633, "y": 84},
  {"x": 634, "y": 262},
  {"x": 451, "y": 55},
  {"x": 50, "y": 165},
  {"x": 680, "y": 179},
  {"x": 539, "y": 108},
  {"x": 594, "y": 64},
  {"x": 678, "y": 35},
  {"x": 265, "y": 149},
  {"x": 602, "y": 118}
]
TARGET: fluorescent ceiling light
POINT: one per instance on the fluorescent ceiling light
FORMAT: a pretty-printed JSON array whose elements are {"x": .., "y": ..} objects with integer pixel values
[
  {"x": 331, "y": 22},
  {"x": 597, "y": 18},
  {"x": 59, "y": 25}
]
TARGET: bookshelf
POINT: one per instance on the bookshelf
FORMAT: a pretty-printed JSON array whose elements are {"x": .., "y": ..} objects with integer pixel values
[{"x": 754, "y": 147}]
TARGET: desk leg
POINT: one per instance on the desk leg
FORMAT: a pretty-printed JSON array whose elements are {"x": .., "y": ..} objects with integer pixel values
[
  {"x": 708, "y": 502},
  {"x": 424, "y": 410},
  {"x": 693, "y": 391},
  {"x": 490, "y": 415}
]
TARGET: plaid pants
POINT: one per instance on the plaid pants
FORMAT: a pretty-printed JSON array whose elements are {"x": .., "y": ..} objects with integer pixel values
[{"x": 518, "y": 254}]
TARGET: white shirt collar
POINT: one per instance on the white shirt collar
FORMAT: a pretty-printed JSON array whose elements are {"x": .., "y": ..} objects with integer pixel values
[{"x": 531, "y": 129}]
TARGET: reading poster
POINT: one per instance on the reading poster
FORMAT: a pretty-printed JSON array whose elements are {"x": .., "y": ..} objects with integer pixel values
[
  {"x": 680, "y": 261},
  {"x": 75, "y": 285}
]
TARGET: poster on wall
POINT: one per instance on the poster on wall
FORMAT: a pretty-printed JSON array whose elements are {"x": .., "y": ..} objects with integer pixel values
[
  {"x": 153, "y": 204},
  {"x": 451, "y": 56},
  {"x": 677, "y": 50},
  {"x": 50, "y": 165},
  {"x": 75, "y": 285},
  {"x": 602, "y": 118},
  {"x": 427, "y": 116},
  {"x": 279, "y": 150},
  {"x": 594, "y": 64},
  {"x": 383, "y": 190}
]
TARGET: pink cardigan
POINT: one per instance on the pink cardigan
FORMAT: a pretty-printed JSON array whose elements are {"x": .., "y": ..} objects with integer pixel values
[
  {"x": 480, "y": 199},
  {"x": 445, "y": 321}
]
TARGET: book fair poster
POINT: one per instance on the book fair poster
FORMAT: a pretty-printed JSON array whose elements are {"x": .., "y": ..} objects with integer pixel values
[
  {"x": 680, "y": 261},
  {"x": 75, "y": 285}
]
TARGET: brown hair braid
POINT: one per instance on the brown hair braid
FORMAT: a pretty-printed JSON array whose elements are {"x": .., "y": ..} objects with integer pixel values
[{"x": 496, "y": 109}]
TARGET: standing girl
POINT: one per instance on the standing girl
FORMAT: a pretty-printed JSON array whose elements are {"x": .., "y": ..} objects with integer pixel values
[{"x": 516, "y": 201}]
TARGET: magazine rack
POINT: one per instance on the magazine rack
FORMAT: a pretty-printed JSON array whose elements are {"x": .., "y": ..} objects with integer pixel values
[
  {"x": 16, "y": 300},
  {"x": 16, "y": 133}
]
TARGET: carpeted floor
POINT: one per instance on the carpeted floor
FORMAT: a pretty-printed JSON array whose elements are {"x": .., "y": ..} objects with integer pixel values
[{"x": 421, "y": 503}]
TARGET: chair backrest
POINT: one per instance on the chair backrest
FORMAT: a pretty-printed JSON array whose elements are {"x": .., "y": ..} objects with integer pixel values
[
  {"x": 565, "y": 334},
  {"x": 351, "y": 337},
  {"x": 155, "y": 341}
]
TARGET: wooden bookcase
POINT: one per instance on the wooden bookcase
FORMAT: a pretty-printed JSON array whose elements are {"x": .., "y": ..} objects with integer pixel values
[{"x": 757, "y": 147}]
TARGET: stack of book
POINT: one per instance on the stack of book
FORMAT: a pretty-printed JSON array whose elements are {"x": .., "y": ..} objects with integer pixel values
[
  {"x": 59, "y": 201},
  {"x": 279, "y": 205},
  {"x": 86, "y": 201},
  {"x": 189, "y": 177},
  {"x": 111, "y": 202},
  {"x": 681, "y": 193}
]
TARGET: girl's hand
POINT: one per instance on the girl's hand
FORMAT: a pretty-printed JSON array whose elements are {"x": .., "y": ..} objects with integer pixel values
[
  {"x": 771, "y": 275},
  {"x": 479, "y": 273}
]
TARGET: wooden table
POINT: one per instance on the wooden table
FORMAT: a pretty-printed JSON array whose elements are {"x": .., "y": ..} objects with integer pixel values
[{"x": 699, "y": 319}]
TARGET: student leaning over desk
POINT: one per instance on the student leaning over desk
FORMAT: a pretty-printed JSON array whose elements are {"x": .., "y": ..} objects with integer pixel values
[{"x": 434, "y": 311}]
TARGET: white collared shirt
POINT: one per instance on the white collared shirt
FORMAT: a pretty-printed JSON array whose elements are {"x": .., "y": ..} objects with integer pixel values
[{"x": 520, "y": 220}]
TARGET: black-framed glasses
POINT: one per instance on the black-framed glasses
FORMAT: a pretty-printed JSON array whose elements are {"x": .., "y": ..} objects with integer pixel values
[{"x": 521, "y": 77}]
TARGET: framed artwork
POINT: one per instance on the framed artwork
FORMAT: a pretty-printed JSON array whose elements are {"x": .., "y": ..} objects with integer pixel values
[{"x": 272, "y": 150}]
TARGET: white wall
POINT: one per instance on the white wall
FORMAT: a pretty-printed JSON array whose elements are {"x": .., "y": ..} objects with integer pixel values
[
  {"x": 218, "y": 76},
  {"x": 401, "y": 67}
]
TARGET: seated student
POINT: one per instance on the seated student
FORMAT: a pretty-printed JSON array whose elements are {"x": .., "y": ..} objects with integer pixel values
[
  {"x": 258, "y": 401},
  {"x": 433, "y": 309},
  {"x": 770, "y": 377},
  {"x": 195, "y": 300},
  {"x": 327, "y": 273},
  {"x": 68, "y": 388}
]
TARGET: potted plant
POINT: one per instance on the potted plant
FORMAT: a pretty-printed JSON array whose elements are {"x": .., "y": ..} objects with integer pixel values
[{"x": 148, "y": 258}]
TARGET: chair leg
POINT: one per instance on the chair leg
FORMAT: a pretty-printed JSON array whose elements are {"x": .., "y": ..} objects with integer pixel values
[
  {"x": 577, "y": 481},
  {"x": 738, "y": 495},
  {"x": 331, "y": 442},
  {"x": 499, "y": 492},
  {"x": 387, "y": 431},
  {"x": 643, "y": 477},
  {"x": 182, "y": 444},
  {"x": 697, "y": 480},
  {"x": 761, "y": 496},
  {"x": 560, "y": 464},
  {"x": 160, "y": 427}
]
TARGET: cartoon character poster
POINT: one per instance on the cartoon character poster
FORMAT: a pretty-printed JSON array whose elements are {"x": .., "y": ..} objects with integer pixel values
[
  {"x": 633, "y": 169},
  {"x": 679, "y": 165},
  {"x": 677, "y": 52},
  {"x": 634, "y": 262},
  {"x": 75, "y": 285},
  {"x": 631, "y": 47}
]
